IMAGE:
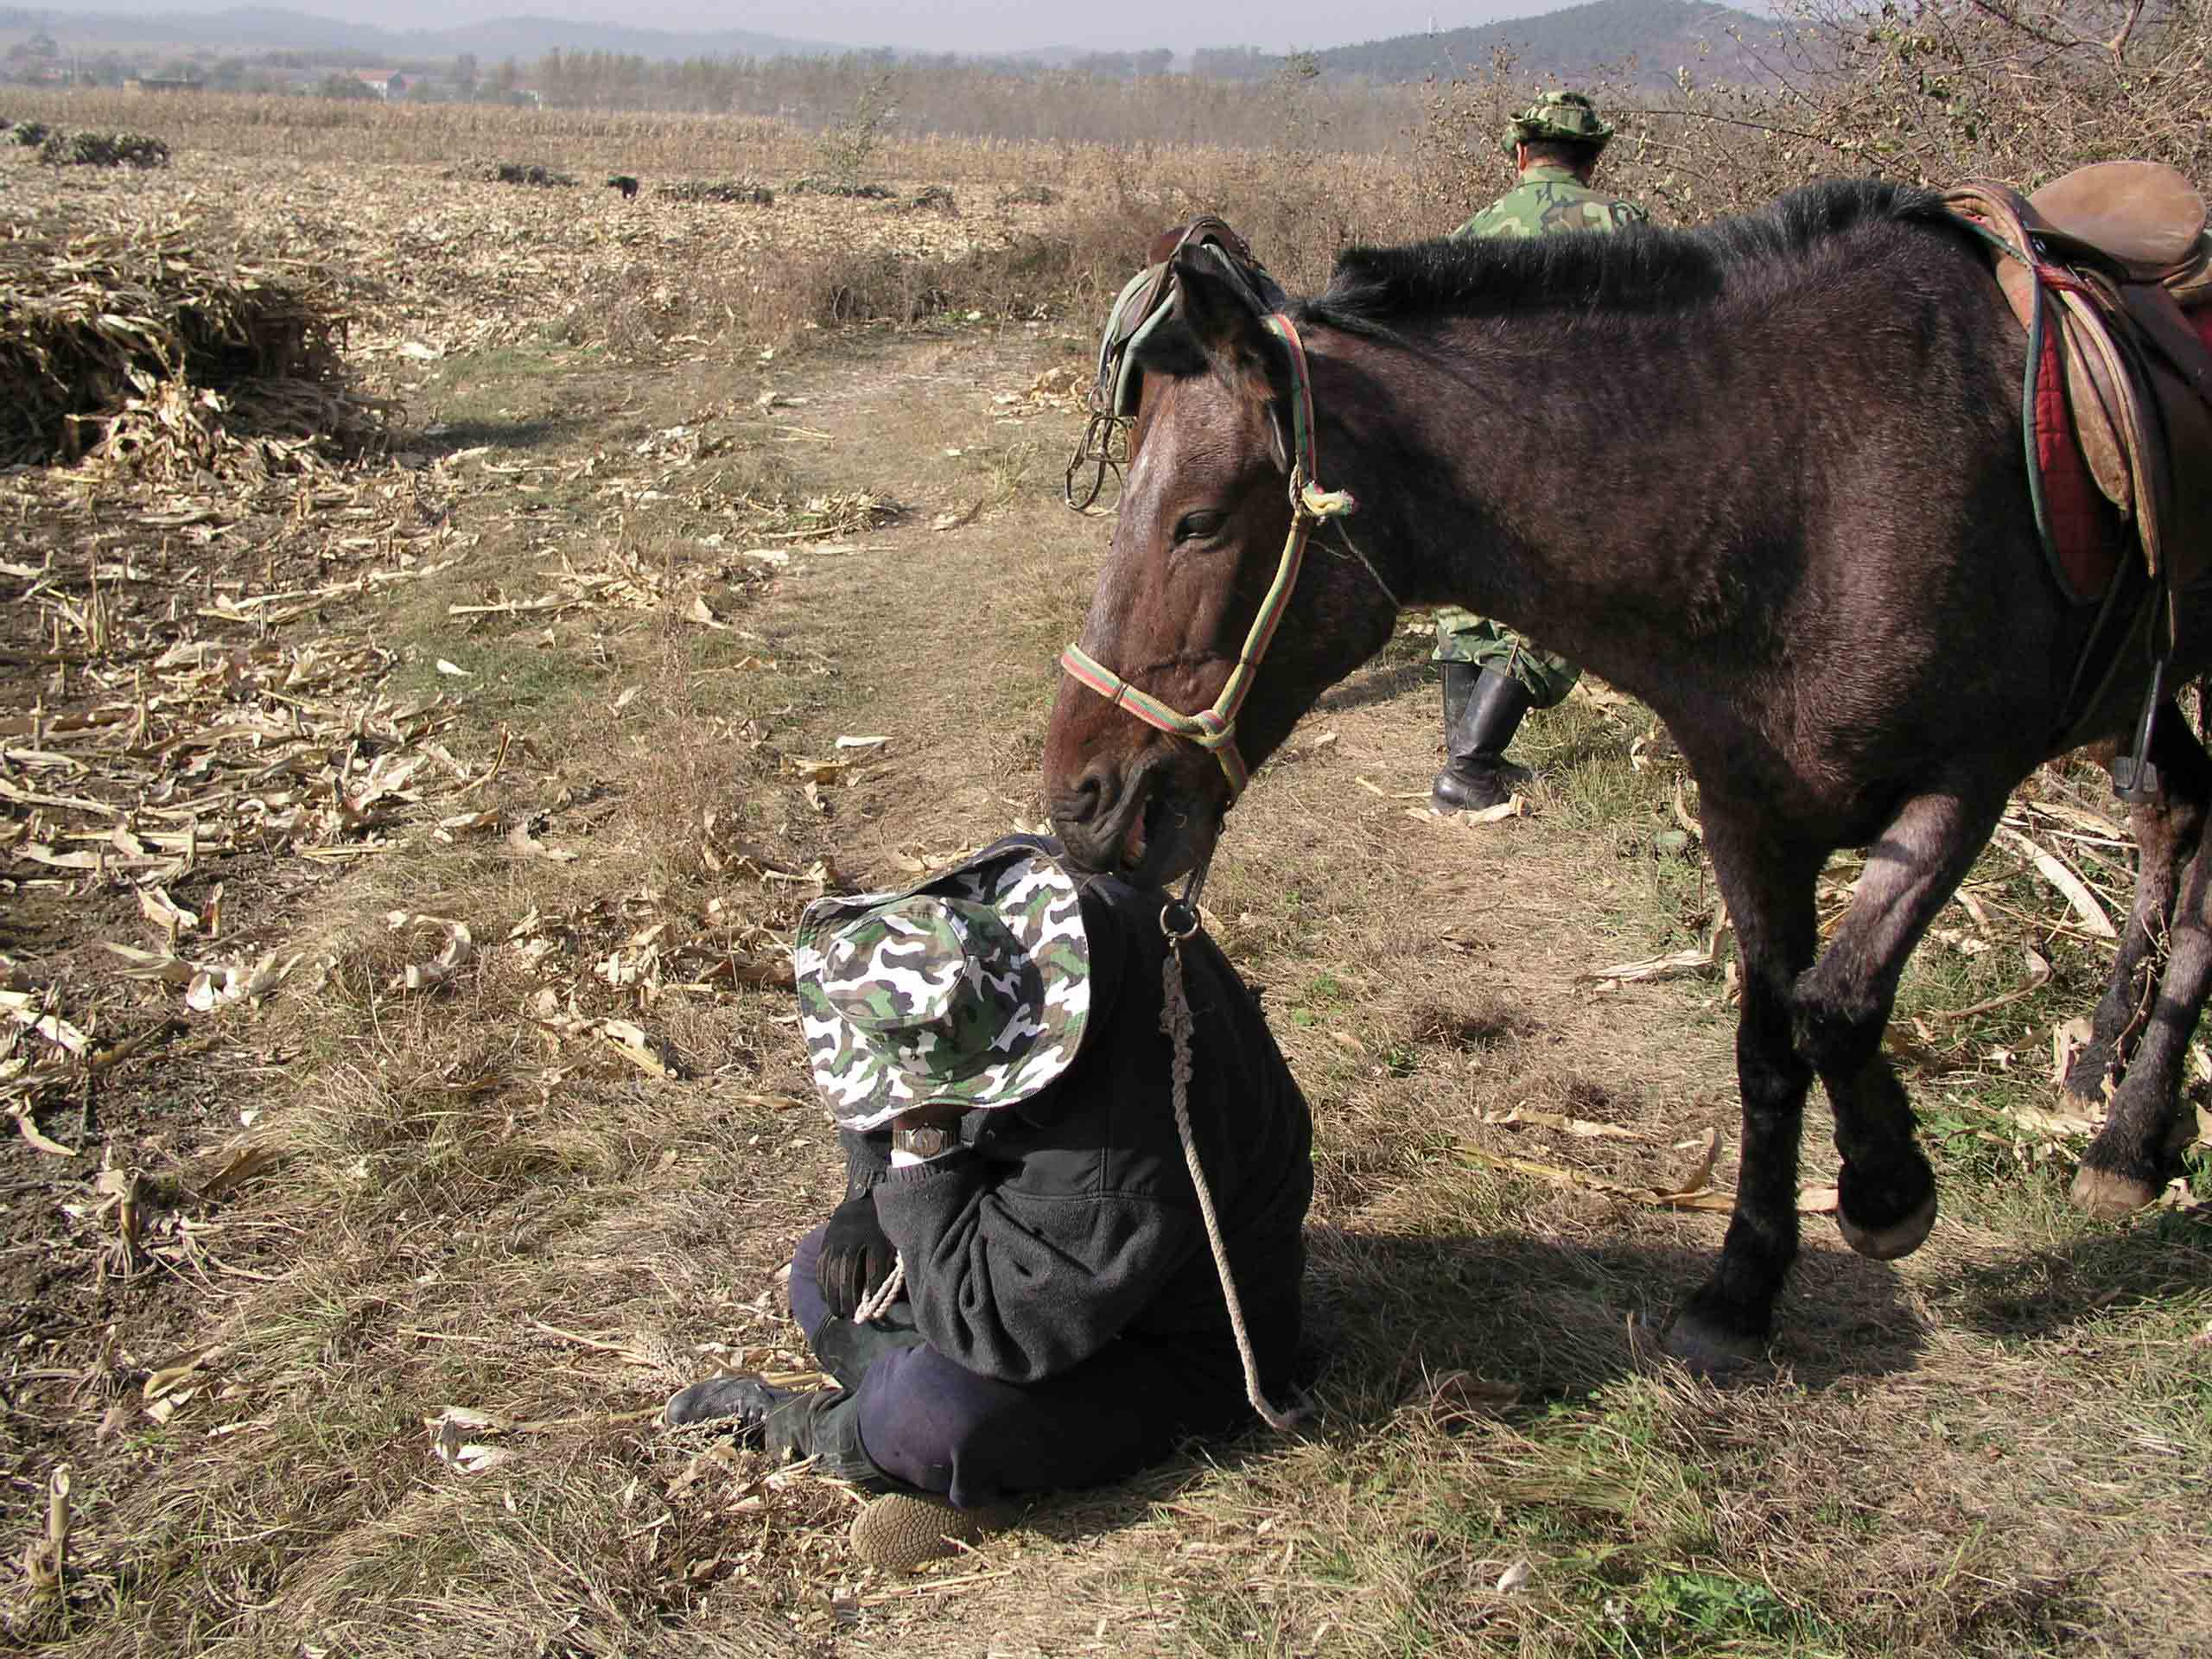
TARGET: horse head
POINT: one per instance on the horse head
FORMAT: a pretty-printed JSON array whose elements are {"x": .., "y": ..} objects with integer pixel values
[{"x": 1210, "y": 633}]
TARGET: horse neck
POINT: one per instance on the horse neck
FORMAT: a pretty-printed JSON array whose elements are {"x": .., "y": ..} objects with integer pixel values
[{"x": 1565, "y": 476}]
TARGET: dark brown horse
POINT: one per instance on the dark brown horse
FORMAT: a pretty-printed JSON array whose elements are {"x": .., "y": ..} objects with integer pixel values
[{"x": 1769, "y": 477}]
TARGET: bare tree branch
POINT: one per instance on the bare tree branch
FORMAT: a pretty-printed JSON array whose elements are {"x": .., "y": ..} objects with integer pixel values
[{"x": 2011, "y": 19}]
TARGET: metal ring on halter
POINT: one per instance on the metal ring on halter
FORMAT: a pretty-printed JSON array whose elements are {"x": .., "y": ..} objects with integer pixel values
[{"x": 1178, "y": 932}]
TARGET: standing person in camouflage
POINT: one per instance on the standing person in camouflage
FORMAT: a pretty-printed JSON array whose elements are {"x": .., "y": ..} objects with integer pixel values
[
  {"x": 1492, "y": 676},
  {"x": 1018, "y": 1294}
]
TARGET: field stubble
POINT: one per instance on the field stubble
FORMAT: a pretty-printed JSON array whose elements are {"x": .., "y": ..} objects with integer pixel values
[{"x": 517, "y": 751}]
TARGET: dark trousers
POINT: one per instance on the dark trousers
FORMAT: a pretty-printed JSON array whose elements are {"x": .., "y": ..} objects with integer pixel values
[{"x": 905, "y": 1416}]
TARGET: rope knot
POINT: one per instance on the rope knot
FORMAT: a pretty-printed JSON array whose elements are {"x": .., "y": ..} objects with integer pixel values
[
  {"x": 1317, "y": 503},
  {"x": 1210, "y": 730}
]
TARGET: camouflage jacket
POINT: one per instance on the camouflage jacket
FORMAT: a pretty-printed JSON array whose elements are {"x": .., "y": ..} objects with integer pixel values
[
  {"x": 1067, "y": 1221},
  {"x": 1548, "y": 199}
]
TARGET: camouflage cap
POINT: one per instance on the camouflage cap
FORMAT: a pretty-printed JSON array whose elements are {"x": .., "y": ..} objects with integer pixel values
[
  {"x": 971, "y": 989},
  {"x": 1559, "y": 118}
]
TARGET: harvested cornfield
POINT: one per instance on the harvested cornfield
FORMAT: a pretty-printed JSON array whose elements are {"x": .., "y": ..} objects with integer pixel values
[
  {"x": 167, "y": 345},
  {"x": 58, "y": 149},
  {"x": 731, "y": 190}
]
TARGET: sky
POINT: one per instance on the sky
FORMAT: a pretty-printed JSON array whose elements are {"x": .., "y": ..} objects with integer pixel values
[{"x": 945, "y": 25}]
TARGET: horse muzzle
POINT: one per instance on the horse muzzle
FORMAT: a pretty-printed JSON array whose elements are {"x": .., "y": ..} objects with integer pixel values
[{"x": 1148, "y": 825}]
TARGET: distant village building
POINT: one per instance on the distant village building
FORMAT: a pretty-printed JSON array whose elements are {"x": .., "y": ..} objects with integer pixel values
[
  {"x": 383, "y": 84},
  {"x": 164, "y": 84}
]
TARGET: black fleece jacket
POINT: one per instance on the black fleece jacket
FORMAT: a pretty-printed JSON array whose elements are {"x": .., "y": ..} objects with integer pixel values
[{"x": 1069, "y": 1221}]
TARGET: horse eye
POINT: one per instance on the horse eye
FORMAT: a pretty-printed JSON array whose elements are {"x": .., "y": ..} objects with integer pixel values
[{"x": 1192, "y": 525}]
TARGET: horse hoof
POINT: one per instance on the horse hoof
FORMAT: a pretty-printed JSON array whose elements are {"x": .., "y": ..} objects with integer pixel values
[
  {"x": 1708, "y": 1350},
  {"x": 1888, "y": 1243},
  {"x": 2105, "y": 1196}
]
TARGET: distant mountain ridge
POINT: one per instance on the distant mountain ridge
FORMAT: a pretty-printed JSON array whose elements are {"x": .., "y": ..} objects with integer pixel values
[
  {"x": 1659, "y": 35},
  {"x": 275, "y": 28}
]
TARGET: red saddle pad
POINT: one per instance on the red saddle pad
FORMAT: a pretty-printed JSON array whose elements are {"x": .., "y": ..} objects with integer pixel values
[{"x": 2086, "y": 533}]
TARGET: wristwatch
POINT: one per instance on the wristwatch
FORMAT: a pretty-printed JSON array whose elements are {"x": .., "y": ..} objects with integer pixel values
[{"x": 923, "y": 1143}]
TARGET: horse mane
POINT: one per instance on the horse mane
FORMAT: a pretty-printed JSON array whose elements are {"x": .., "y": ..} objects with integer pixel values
[{"x": 1641, "y": 269}]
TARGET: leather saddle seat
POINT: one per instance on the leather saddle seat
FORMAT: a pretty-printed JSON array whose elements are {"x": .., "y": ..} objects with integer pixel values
[
  {"x": 2096, "y": 266},
  {"x": 2142, "y": 216}
]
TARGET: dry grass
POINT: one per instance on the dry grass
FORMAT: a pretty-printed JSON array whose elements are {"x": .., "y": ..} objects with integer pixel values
[{"x": 553, "y": 1178}]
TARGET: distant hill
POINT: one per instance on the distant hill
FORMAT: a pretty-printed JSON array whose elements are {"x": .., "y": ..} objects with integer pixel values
[
  {"x": 275, "y": 28},
  {"x": 1660, "y": 34}
]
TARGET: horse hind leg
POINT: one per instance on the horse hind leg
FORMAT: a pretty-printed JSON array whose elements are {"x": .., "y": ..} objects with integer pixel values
[
  {"x": 2126, "y": 1164},
  {"x": 2167, "y": 831},
  {"x": 1886, "y": 1189}
]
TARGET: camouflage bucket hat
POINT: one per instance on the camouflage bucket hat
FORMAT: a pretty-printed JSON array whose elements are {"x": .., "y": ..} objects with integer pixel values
[
  {"x": 971, "y": 989},
  {"x": 1560, "y": 118}
]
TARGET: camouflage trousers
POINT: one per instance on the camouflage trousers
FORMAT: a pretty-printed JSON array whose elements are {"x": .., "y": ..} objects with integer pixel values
[{"x": 1463, "y": 637}]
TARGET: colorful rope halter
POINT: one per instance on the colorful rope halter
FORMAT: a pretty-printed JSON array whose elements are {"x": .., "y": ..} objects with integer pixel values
[{"x": 1215, "y": 729}]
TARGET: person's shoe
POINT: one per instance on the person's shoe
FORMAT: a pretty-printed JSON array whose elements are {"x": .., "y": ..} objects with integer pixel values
[
  {"x": 901, "y": 1531},
  {"x": 741, "y": 1403},
  {"x": 1481, "y": 710}
]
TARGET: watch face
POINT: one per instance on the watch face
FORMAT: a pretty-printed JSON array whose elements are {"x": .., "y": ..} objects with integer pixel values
[{"x": 923, "y": 1143}]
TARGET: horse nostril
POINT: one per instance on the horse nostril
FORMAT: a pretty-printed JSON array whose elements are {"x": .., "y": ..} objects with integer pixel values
[{"x": 1093, "y": 795}]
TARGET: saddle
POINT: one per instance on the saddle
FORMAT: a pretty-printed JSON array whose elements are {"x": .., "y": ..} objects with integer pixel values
[
  {"x": 1145, "y": 301},
  {"x": 2098, "y": 267}
]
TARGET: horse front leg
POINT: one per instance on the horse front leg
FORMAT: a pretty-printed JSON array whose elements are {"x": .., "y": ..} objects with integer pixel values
[
  {"x": 2167, "y": 832},
  {"x": 2128, "y": 1162},
  {"x": 1769, "y": 890},
  {"x": 1886, "y": 1190}
]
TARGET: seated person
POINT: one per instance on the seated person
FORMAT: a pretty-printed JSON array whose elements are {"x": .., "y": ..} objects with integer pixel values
[{"x": 990, "y": 1044}]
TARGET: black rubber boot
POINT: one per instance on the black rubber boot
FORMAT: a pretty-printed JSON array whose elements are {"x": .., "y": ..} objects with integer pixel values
[{"x": 1481, "y": 710}]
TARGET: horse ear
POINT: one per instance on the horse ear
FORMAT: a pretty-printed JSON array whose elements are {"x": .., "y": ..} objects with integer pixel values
[
  {"x": 1170, "y": 348},
  {"x": 1220, "y": 318},
  {"x": 1220, "y": 312}
]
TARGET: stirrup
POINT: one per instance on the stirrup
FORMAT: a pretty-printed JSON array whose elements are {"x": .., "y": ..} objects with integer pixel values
[{"x": 2134, "y": 780}]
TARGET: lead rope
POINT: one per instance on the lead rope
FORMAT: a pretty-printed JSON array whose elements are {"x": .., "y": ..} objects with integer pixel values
[
  {"x": 1175, "y": 1020},
  {"x": 878, "y": 1301}
]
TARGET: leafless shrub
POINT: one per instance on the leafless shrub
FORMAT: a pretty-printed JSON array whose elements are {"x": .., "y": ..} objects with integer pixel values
[{"x": 1926, "y": 92}]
